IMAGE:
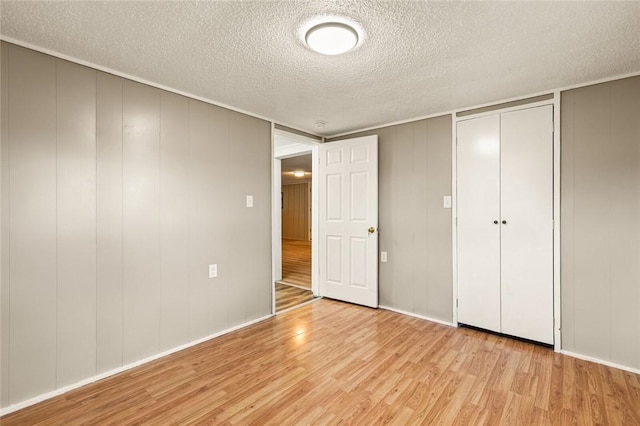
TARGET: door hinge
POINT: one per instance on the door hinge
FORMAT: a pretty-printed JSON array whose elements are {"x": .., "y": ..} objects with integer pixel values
[
  {"x": 553, "y": 224},
  {"x": 456, "y": 303}
]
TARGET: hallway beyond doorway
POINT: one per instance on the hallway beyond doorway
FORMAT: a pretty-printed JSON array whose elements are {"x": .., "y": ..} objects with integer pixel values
[
  {"x": 296, "y": 262},
  {"x": 295, "y": 287}
]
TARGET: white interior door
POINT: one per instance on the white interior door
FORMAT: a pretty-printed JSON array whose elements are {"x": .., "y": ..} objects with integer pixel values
[
  {"x": 478, "y": 227},
  {"x": 348, "y": 220},
  {"x": 527, "y": 223}
]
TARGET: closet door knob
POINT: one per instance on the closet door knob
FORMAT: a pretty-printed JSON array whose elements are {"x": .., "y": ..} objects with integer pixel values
[
  {"x": 495, "y": 221},
  {"x": 504, "y": 222}
]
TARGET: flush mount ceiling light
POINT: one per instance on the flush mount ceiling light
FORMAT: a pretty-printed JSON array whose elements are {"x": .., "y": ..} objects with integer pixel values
[
  {"x": 298, "y": 174},
  {"x": 331, "y": 38}
]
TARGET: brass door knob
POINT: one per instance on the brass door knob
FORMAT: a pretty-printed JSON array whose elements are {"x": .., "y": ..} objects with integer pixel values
[{"x": 372, "y": 230}]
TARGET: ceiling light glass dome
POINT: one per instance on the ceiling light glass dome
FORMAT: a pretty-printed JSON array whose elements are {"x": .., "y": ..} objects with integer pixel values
[{"x": 332, "y": 38}]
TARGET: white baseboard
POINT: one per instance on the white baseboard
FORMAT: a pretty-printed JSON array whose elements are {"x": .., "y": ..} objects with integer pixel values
[
  {"x": 600, "y": 361},
  {"x": 562, "y": 351},
  {"x": 411, "y": 314},
  {"x": 60, "y": 391}
]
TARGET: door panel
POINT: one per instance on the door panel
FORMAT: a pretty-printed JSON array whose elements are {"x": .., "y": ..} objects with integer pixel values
[
  {"x": 348, "y": 193},
  {"x": 478, "y": 201},
  {"x": 527, "y": 236}
]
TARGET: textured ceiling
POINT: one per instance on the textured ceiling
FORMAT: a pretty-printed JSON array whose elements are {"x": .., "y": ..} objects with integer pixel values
[{"x": 414, "y": 58}]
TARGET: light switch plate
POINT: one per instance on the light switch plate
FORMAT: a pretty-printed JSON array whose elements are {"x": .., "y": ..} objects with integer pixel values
[
  {"x": 447, "y": 201},
  {"x": 383, "y": 256},
  {"x": 213, "y": 270},
  {"x": 249, "y": 200}
]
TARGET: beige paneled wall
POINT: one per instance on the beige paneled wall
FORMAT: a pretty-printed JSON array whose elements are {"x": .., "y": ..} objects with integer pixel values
[
  {"x": 4, "y": 227},
  {"x": 116, "y": 197},
  {"x": 295, "y": 211},
  {"x": 109, "y": 216},
  {"x": 415, "y": 229},
  {"x": 75, "y": 233},
  {"x": 600, "y": 236}
]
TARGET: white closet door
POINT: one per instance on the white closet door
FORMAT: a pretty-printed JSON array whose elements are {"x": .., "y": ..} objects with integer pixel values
[
  {"x": 478, "y": 200},
  {"x": 527, "y": 236}
]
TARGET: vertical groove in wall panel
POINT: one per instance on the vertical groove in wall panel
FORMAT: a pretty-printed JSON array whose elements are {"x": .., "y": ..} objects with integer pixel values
[
  {"x": 285, "y": 211},
  {"x": 297, "y": 217},
  {"x": 4, "y": 225},
  {"x": 294, "y": 200},
  {"x": 439, "y": 257},
  {"x": 421, "y": 214},
  {"x": 625, "y": 221},
  {"x": 32, "y": 148},
  {"x": 592, "y": 205},
  {"x": 403, "y": 210},
  {"x": 295, "y": 214},
  {"x": 386, "y": 139},
  {"x": 76, "y": 222},
  {"x": 567, "y": 211},
  {"x": 174, "y": 220},
  {"x": 141, "y": 112},
  {"x": 259, "y": 298},
  {"x": 220, "y": 194},
  {"x": 109, "y": 222},
  {"x": 294, "y": 211},
  {"x": 202, "y": 215},
  {"x": 242, "y": 225}
]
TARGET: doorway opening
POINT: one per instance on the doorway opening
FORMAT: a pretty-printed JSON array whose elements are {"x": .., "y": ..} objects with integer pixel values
[
  {"x": 293, "y": 221},
  {"x": 294, "y": 288}
]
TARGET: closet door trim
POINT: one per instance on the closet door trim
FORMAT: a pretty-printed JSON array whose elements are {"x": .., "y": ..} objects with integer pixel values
[{"x": 555, "y": 101}]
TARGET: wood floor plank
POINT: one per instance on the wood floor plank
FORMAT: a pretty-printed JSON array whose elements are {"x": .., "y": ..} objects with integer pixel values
[
  {"x": 296, "y": 262},
  {"x": 288, "y": 296},
  {"x": 335, "y": 363}
]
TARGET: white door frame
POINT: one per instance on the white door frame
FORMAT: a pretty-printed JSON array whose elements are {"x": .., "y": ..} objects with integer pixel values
[
  {"x": 295, "y": 145},
  {"x": 555, "y": 101}
]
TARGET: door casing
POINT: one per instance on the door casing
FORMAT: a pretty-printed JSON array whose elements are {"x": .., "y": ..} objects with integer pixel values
[
  {"x": 555, "y": 101},
  {"x": 296, "y": 145}
]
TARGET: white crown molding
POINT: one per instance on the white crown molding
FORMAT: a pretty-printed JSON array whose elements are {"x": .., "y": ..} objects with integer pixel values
[
  {"x": 143, "y": 81},
  {"x": 453, "y": 112}
]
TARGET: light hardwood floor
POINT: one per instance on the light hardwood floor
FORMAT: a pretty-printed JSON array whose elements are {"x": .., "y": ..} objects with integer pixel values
[
  {"x": 288, "y": 296},
  {"x": 330, "y": 362},
  {"x": 296, "y": 262}
]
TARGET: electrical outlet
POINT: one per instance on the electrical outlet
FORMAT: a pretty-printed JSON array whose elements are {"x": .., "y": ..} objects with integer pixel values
[
  {"x": 249, "y": 200},
  {"x": 213, "y": 270},
  {"x": 383, "y": 256},
  {"x": 447, "y": 202}
]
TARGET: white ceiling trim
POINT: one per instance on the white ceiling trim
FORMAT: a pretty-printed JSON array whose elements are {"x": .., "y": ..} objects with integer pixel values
[
  {"x": 147, "y": 82},
  {"x": 416, "y": 58},
  {"x": 295, "y": 138},
  {"x": 453, "y": 112}
]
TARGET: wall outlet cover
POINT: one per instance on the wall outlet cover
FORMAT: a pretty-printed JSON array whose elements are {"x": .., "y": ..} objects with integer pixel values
[{"x": 213, "y": 270}]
